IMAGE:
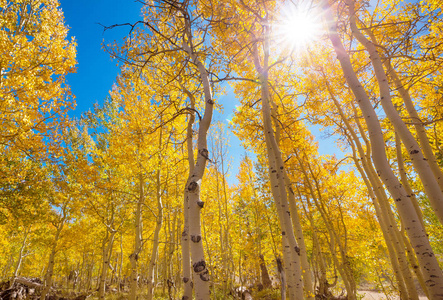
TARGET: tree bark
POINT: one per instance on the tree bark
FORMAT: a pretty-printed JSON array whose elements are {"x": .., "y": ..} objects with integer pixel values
[
  {"x": 376, "y": 193},
  {"x": 416, "y": 232},
  {"x": 133, "y": 284},
  {"x": 195, "y": 205},
  {"x": 186, "y": 254},
  {"x": 421, "y": 165},
  {"x": 20, "y": 257},
  {"x": 108, "y": 242},
  {"x": 158, "y": 225},
  {"x": 51, "y": 262},
  {"x": 291, "y": 252}
]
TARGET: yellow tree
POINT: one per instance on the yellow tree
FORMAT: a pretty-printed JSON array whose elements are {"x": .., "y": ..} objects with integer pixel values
[{"x": 175, "y": 37}]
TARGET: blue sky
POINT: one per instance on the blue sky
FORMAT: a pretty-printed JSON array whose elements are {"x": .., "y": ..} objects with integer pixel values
[{"x": 96, "y": 71}]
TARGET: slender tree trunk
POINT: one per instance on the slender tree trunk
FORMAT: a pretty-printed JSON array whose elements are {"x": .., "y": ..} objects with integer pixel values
[
  {"x": 20, "y": 257},
  {"x": 307, "y": 280},
  {"x": 417, "y": 234},
  {"x": 322, "y": 288},
  {"x": 186, "y": 254},
  {"x": 195, "y": 205},
  {"x": 291, "y": 253},
  {"x": 421, "y": 165},
  {"x": 387, "y": 233},
  {"x": 133, "y": 284},
  {"x": 387, "y": 215},
  {"x": 334, "y": 237},
  {"x": 404, "y": 178},
  {"x": 375, "y": 190},
  {"x": 417, "y": 122},
  {"x": 108, "y": 242},
  {"x": 120, "y": 265},
  {"x": 282, "y": 273},
  {"x": 51, "y": 262},
  {"x": 158, "y": 225}
]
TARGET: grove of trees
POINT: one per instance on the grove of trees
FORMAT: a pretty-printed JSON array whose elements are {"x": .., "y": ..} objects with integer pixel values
[{"x": 132, "y": 199}]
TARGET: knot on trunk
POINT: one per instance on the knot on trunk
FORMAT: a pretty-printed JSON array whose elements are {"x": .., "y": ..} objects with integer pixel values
[
  {"x": 185, "y": 298},
  {"x": 204, "y": 276},
  {"x": 297, "y": 249},
  {"x": 205, "y": 153},
  {"x": 200, "y": 204},
  {"x": 134, "y": 255},
  {"x": 192, "y": 186},
  {"x": 210, "y": 101},
  {"x": 185, "y": 279},
  {"x": 414, "y": 151},
  {"x": 196, "y": 238},
  {"x": 199, "y": 266}
]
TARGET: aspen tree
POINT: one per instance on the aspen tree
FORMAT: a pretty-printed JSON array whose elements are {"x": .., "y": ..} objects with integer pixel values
[
  {"x": 276, "y": 171},
  {"x": 107, "y": 244},
  {"x": 21, "y": 255},
  {"x": 405, "y": 95},
  {"x": 59, "y": 224},
  {"x": 375, "y": 189},
  {"x": 201, "y": 273},
  {"x": 307, "y": 281},
  {"x": 186, "y": 255},
  {"x": 159, "y": 221},
  {"x": 430, "y": 182},
  {"x": 428, "y": 263}
]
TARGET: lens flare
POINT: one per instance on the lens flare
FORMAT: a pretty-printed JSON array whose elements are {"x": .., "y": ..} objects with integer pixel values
[{"x": 298, "y": 26}]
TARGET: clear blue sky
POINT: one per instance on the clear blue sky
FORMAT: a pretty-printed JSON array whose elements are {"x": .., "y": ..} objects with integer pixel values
[{"x": 96, "y": 71}]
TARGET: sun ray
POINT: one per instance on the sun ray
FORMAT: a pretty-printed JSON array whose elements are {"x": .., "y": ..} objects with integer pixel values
[{"x": 298, "y": 26}]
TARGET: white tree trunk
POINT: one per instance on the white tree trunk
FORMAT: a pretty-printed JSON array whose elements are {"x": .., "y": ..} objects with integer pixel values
[
  {"x": 417, "y": 234},
  {"x": 158, "y": 227},
  {"x": 421, "y": 165},
  {"x": 186, "y": 254},
  {"x": 106, "y": 256},
  {"x": 375, "y": 190},
  {"x": 51, "y": 262},
  {"x": 277, "y": 174},
  {"x": 20, "y": 257},
  {"x": 137, "y": 242},
  {"x": 200, "y": 270}
]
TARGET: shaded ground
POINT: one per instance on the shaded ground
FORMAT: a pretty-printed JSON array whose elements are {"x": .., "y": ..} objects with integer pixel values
[
  {"x": 371, "y": 295},
  {"x": 30, "y": 289}
]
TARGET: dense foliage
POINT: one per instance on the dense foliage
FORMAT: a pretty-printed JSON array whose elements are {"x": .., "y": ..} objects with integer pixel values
[{"x": 133, "y": 198}]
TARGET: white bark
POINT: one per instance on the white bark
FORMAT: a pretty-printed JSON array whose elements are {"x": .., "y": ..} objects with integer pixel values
[
  {"x": 106, "y": 256},
  {"x": 277, "y": 174},
  {"x": 51, "y": 262},
  {"x": 419, "y": 240},
  {"x": 396, "y": 254},
  {"x": 200, "y": 270},
  {"x": 307, "y": 278},
  {"x": 421, "y": 165},
  {"x": 158, "y": 227},
  {"x": 417, "y": 122},
  {"x": 186, "y": 254},
  {"x": 20, "y": 257},
  {"x": 137, "y": 242}
]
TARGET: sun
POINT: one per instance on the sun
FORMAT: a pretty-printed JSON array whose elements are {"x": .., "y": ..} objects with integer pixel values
[{"x": 298, "y": 26}]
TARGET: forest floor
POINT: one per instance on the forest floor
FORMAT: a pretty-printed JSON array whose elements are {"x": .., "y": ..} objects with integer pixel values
[{"x": 372, "y": 295}]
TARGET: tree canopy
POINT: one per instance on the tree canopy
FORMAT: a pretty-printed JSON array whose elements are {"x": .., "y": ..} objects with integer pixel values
[{"x": 137, "y": 196}]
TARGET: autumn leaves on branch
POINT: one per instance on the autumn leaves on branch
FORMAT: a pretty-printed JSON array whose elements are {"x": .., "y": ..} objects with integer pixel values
[{"x": 135, "y": 192}]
